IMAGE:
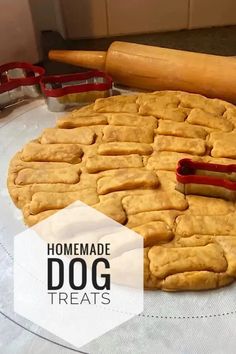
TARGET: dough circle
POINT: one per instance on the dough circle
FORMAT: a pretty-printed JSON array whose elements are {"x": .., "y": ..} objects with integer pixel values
[{"x": 119, "y": 156}]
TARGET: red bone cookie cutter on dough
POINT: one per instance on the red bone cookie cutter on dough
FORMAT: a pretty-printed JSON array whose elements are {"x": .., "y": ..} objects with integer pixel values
[{"x": 207, "y": 179}]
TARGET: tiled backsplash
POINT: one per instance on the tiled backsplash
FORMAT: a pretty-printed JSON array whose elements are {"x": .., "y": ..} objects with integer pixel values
[
  {"x": 207, "y": 13},
  {"x": 101, "y": 18},
  {"x": 135, "y": 16},
  {"x": 85, "y": 18}
]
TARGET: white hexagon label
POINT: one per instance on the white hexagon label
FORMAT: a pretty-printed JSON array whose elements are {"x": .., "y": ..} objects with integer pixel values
[{"x": 78, "y": 274}]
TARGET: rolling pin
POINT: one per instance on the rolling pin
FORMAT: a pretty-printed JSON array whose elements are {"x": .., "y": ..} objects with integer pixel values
[{"x": 155, "y": 68}]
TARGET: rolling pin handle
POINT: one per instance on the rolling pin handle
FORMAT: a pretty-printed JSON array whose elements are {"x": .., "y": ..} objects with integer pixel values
[{"x": 83, "y": 58}]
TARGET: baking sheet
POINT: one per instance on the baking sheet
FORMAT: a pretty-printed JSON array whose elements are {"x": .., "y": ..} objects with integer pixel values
[{"x": 188, "y": 322}]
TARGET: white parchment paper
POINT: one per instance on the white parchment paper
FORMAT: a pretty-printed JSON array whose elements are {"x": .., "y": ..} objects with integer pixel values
[{"x": 187, "y": 322}]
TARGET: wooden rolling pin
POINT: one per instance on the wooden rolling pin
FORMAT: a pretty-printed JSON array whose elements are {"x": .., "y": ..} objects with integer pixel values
[{"x": 155, "y": 68}]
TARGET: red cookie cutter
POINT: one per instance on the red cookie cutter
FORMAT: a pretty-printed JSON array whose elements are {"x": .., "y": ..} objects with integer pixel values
[
  {"x": 207, "y": 179},
  {"x": 19, "y": 81},
  {"x": 66, "y": 90}
]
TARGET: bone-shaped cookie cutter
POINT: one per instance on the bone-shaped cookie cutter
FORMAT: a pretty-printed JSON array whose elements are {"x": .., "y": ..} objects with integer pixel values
[
  {"x": 207, "y": 179},
  {"x": 62, "y": 91},
  {"x": 19, "y": 81}
]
